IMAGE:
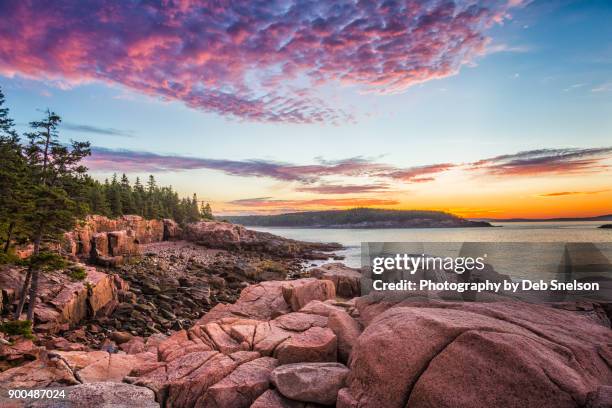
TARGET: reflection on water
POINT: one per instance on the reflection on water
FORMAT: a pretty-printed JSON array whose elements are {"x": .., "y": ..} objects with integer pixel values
[{"x": 584, "y": 231}]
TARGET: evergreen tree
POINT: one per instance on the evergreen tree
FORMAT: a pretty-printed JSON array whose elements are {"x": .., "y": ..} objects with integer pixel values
[
  {"x": 58, "y": 182},
  {"x": 97, "y": 200},
  {"x": 206, "y": 212},
  {"x": 127, "y": 198},
  {"x": 114, "y": 196},
  {"x": 14, "y": 191},
  {"x": 139, "y": 197}
]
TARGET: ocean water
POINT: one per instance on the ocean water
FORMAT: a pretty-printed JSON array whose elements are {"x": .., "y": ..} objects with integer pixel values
[{"x": 534, "y": 232}]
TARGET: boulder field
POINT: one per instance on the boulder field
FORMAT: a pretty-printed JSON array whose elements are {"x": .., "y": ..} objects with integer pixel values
[
  {"x": 296, "y": 344},
  {"x": 309, "y": 342}
]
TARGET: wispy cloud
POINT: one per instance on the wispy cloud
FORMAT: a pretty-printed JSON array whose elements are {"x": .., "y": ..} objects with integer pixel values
[
  {"x": 605, "y": 87},
  {"x": 546, "y": 161},
  {"x": 269, "y": 202},
  {"x": 502, "y": 47},
  {"x": 130, "y": 160},
  {"x": 573, "y": 87},
  {"x": 96, "y": 130},
  {"x": 105, "y": 159},
  {"x": 312, "y": 177},
  {"x": 344, "y": 189},
  {"x": 249, "y": 60},
  {"x": 419, "y": 174},
  {"x": 571, "y": 193}
]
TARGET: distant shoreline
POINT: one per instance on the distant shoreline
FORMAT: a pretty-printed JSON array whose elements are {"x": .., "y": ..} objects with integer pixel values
[
  {"x": 359, "y": 218},
  {"x": 607, "y": 217},
  {"x": 369, "y": 227}
]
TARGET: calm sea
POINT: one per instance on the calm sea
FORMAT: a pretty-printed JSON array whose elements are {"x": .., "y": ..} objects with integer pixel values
[{"x": 583, "y": 231}]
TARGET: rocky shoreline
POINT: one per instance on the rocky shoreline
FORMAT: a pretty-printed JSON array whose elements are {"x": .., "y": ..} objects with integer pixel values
[{"x": 233, "y": 319}]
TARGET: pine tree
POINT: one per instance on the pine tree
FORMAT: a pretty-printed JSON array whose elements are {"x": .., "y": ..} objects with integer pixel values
[
  {"x": 114, "y": 196},
  {"x": 127, "y": 198},
  {"x": 139, "y": 197},
  {"x": 14, "y": 190},
  {"x": 58, "y": 184}
]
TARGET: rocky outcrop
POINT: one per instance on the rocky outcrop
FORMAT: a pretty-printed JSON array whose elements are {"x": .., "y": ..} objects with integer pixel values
[
  {"x": 227, "y": 358},
  {"x": 47, "y": 371},
  {"x": 223, "y": 235},
  {"x": 267, "y": 300},
  {"x": 17, "y": 351},
  {"x": 172, "y": 231},
  {"x": 346, "y": 280},
  {"x": 242, "y": 387},
  {"x": 95, "y": 366},
  {"x": 444, "y": 354},
  {"x": 108, "y": 241},
  {"x": 400, "y": 351},
  {"x": 63, "y": 301}
]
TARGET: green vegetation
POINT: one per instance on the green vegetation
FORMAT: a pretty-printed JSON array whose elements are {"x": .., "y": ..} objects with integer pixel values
[
  {"x": 47, "y": 261},
  {"x": 18, "y": 328},
  {"x": 357, "y": 218},
  {"x": 119, "y": 197},
  {"x": 45, "y": 190},
  {"x": 9, "y": 257},
  {"x": 77, "y": 273}
]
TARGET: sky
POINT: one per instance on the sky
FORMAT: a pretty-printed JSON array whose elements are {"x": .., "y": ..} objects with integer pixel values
[{"x": 486, "y": 109}]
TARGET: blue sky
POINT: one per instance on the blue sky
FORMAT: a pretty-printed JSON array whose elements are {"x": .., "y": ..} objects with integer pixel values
[{"x": 544, "y": 82}]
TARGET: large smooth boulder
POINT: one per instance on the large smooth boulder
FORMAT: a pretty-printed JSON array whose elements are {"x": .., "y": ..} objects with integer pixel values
[
  {"x": 508, "y": 354},
  {"x": 313, "y": 345},
  {"x": 310, "y": 382},
  {"x": 600, "y": 398},
  {"x": 300, "y": 292},
  {"x": 321, "y": 308},
  {"x": 347, "y": 330},
  {"x": 347, "y": 281}
]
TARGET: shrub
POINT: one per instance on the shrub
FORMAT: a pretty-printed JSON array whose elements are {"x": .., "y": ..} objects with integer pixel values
[
  {"x": 9, "y": 258},
  {"x": 48, "y": 261},
  {"x": 17, "y": 328},
  {"x": 77, "y": 273}
]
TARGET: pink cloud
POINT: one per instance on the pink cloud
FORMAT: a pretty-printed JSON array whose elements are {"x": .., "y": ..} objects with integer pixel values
[
  {"x": 344, "y": 189},
  {"x": 420, "y": 174},
  {"x": 268, "y": 202},
  {"x": 243, "y": 59},
  {"x": 547, "y": 161}
]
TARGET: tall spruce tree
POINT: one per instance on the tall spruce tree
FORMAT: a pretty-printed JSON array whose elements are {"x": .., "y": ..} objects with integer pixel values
[
  {"x": 14, "y": 189},
  {"x": 58, "y": 182}
]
